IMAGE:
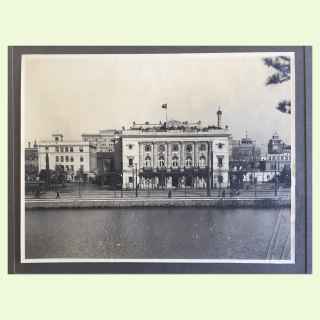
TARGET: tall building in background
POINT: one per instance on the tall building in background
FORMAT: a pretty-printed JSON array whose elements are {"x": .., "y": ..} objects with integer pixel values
[
  {"x": 279, "y": 154},
  {"x": 244, "y": 152},
  {"x": 106, "y": 156}
]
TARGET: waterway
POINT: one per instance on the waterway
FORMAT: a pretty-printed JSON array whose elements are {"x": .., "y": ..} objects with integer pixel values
[{"x": 164, "y": 233}]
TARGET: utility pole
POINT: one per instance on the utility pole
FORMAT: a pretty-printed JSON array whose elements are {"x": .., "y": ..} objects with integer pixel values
[
  {"x": 275, "y": 180},
  {"x": 132, "y": 179},
  {"x": 136, "y": 179},
  {"x": 254, "y": 171},
  {"x": 79, "y": 185},
  {"x": 121, "y": 175},
  {"x": 208, "y": 171}
]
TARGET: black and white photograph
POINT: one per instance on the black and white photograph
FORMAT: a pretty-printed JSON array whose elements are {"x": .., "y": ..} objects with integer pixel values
[{"x": 158, "y": 157}]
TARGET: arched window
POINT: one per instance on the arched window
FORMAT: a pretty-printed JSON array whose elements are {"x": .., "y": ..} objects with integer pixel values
[
  {"x": 175, "y": 162},
  {"x": 189, "y": 148},
  {"x": 147, "y": 148},
  {"x": 147, "y": 162},
  {"x": 161, "y": 162},
  {"x": 188, "y": 162},
  {"x": 175, "y": 147},
  {"x": 202, "y": 161}
]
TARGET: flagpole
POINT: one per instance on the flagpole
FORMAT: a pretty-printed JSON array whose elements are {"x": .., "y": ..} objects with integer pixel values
[{"x": 165, "y": 106}]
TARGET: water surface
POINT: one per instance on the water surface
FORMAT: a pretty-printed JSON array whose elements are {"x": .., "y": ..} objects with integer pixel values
[{"x": 193, "y": 233}]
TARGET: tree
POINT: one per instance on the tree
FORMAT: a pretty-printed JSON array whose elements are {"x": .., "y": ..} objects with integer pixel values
[
  {"x": 282, "y": 68},
  {"x": 285, "y": 176}
]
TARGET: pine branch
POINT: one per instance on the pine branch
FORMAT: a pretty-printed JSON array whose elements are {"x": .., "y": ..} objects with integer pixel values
[
  {"x": 284, "y": 106},
  {"x": 282, "y": 65}
]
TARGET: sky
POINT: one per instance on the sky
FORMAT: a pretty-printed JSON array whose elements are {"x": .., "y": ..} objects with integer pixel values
[{"x": 75, "y": 94}]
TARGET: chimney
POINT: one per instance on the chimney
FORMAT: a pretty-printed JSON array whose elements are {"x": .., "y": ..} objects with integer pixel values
[{"x": 219, "y": 115}]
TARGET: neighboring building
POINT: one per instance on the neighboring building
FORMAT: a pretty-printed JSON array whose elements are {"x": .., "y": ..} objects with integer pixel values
[
  {"x": 106, "y": 156},
  {"x": 175, "y": 155},
  {"x": 279, "y": 154},
  {"x": 245, "y": 150},
  {"x": 70, "y": 156},
  {"x": 104, "y": 141},
  {"x": 31, "y": 162}
]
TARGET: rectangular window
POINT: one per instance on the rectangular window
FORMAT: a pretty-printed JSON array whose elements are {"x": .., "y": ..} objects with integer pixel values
[
  {"x": 130, "y": 179},
  {"x": 61, "y": 149},
  {"x": 57, "y": 149},
  {"x": 130, "y": 162},
  {"x": 67, "y": 149},
  {"x": 61, "y": 158},
  {"x": 81, "y": 159},
  {"x": 220, "y": 161},
  {"x": 67, "y": 158},
  {"x": 57, "y": 158},
  {"x": 71, "y": 149},
  {"x": 81, "y": 149},
  {"x": 71, "y": 159},
  {"x": 72, "y": 169}
]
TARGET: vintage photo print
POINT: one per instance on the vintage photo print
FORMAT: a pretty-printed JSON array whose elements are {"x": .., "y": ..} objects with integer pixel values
[{"x": 158, "y": 157}]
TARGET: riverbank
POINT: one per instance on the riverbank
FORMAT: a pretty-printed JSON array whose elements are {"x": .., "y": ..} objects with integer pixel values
[{"x": 241, "y": 202}]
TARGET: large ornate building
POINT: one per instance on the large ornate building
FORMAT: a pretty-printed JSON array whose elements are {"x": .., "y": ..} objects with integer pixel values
[{"x": 175, "y": 155}]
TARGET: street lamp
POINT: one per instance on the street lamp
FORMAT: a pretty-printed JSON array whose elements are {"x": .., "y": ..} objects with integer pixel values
[
  {"x": 136, "y": 167},
  {"x": 121, "y": 176},
  {"x": 79, "y": 185}
]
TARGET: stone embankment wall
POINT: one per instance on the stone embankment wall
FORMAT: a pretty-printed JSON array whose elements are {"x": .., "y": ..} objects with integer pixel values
[{"x": 127, "y": 203}]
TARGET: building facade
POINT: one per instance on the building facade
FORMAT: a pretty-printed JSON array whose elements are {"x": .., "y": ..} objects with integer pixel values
[
  {"x": 70, "y": 156},
  {"x": 31, "y": 162},
  {"x": 175, "y": 155},
  {"x": 245, "y": 150},
  {"x": 279, "y": 154},
  {"x": 104, "y": 141},
  {"x": 106, "y": 156}
]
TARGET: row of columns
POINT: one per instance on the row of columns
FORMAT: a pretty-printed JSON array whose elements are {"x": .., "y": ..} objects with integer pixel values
[{"x": 154, "y": 153}]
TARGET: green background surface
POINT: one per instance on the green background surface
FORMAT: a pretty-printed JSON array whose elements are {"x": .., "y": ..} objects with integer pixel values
[{"x": 158, "y": 23}]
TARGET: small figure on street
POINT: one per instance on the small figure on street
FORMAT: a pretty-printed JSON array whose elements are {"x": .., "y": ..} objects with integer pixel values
[
  {"x": 223, "y": 193},
  {"x": 58, "y": 195},
  {"x": 169, "y": 194},
  {"x": 37, "y": 194}
]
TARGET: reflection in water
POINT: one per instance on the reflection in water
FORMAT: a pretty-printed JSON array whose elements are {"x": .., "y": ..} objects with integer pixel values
[{"x": 193, "y": 233}]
